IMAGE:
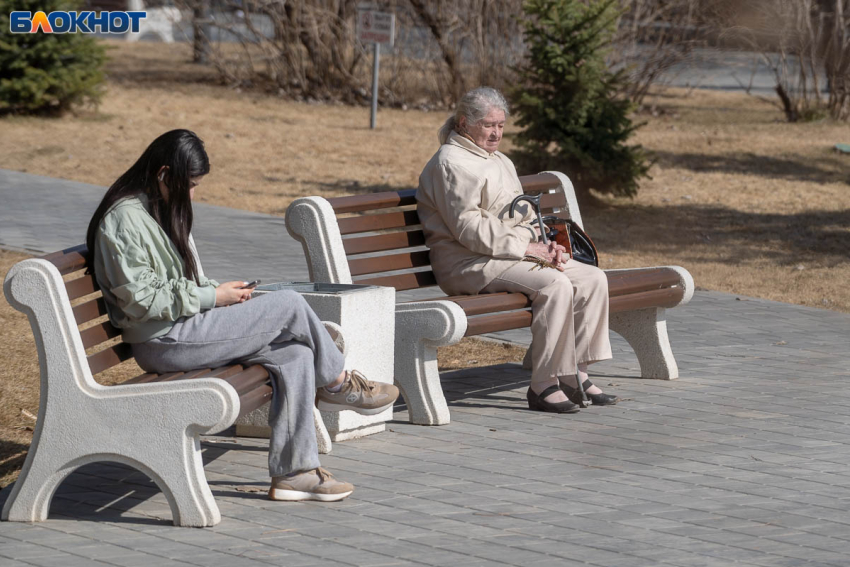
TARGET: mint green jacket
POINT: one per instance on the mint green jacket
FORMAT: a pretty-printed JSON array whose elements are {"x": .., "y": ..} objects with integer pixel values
[{"x": 142, "y": 276}]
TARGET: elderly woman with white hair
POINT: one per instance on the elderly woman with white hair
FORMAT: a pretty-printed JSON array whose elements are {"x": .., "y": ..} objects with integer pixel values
[{"x": 463, "y": 201}]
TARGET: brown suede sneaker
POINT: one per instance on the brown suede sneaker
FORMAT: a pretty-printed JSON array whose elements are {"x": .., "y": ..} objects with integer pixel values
[
  {"x": 359, "y": 394},
  {"x": 316, "y": 484}
]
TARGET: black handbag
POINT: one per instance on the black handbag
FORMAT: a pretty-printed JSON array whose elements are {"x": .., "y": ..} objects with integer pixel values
[{"x": 580, "y": 246}]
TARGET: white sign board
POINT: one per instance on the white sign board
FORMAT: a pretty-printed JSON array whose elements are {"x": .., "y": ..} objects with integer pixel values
[{"x": 375, "y": 27}]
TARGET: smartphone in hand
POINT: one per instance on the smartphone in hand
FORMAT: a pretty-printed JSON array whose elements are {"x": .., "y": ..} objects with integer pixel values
[{"x": 251, "y": 285}]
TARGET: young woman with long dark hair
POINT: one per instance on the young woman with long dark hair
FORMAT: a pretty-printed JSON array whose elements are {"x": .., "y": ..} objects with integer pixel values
[{"x": 146, "y": 264}]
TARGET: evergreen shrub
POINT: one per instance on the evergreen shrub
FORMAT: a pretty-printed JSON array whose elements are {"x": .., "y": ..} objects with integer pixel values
[
  {"x": 47, "y": 73},
  {"x": 566, "y": 99}
]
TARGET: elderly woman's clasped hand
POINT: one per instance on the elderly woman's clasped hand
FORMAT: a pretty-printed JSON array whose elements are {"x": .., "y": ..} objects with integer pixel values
[{"x": 552, "y": 252}]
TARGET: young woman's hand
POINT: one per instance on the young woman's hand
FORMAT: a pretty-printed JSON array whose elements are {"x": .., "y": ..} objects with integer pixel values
[
  {"x": 552, "y": 252},
  {"x": 229, "y": 293}
]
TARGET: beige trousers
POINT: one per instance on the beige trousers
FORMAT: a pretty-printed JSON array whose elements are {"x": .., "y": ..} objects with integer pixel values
[{"x": 569, "y": 315}]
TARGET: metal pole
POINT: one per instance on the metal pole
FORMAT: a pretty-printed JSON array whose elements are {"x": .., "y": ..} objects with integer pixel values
[{"x": 375, "y": 63}]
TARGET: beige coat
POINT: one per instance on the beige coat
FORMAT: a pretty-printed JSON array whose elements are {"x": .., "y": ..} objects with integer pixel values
[{"x": 463, "y": 201}]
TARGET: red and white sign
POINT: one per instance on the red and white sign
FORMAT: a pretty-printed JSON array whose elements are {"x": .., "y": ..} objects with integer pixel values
[{"x": 375, "y": 27}]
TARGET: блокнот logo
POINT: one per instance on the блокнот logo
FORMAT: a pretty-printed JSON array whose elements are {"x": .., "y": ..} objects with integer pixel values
[{"x": 72, "y": 22}]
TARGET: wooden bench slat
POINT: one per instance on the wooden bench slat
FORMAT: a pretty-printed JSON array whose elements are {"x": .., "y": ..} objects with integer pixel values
[
  {"x": 362, "y": 266},
  {"x": 225, "y": 371},
  {"x": 492, "y": 303},
  {"x": 539, "y": 182},
  {"x": 189, "y": 375},
  {"x": 381, "y": 242},
  {"x": 401, "y": 219},
  {"x": 552, "y": 201},
  {"x": 486, "y": 303},
  {"x": 237, "y": 375},
  {"x": 461, "y": 297},
  {"x": 251, "y": 383},
  {"x": 402, "y": 282},
  {"x": 150, "y": 377},
  {"x": 199, "y": 373},
  {"x": 85, "y": 312},
  {"x": 107, "y": 358},
  {"x": 248, "y": 379},
  {"x": 254, "y": 399},
  {"x": 643, "y": 280},
  {"x": 667, "y": 297},
  {"x": 69, "y": 260},
  {"x": 618, "y": 284},
  {"x": 220, "y": 372},
  {"x": 98, "y": 334},
  {"x": 81, "y": 286},
  {"x": 371, "y": 201},
  {"x": 172, "y": 376},
  {"x": 368, "y": 223},
  {"x": 498, "y": 322}
]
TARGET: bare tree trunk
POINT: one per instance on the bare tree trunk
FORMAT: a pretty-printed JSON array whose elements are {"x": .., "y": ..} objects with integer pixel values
[
  {"x": 200, "y": 41},
  {"x": 439, "y": 28}
]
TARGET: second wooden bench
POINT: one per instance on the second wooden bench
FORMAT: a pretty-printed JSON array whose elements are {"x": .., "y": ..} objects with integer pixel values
[{"x": 377, "y": 239}]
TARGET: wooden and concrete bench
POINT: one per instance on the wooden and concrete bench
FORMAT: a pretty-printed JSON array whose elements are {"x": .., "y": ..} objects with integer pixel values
[
  {"x": 377, "y": 239},
  {"x": 151, "y": 422}
]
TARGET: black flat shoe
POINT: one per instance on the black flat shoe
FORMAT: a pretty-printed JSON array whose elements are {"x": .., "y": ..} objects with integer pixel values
[
  {"x": 597, "y": 399},
  {"x": 538, "y": 403}
]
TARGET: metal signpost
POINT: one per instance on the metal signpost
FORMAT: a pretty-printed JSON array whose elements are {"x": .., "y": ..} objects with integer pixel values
[{"x": 376, "y": 28}]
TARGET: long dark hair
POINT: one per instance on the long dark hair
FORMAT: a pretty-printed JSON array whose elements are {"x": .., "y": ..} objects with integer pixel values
[{"x": 182, "y": 152}]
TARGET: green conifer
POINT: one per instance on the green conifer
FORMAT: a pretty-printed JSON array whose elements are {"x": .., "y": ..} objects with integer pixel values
[
  {"x": 566, "y": 99},
  {"x": 47, "y": 73}
]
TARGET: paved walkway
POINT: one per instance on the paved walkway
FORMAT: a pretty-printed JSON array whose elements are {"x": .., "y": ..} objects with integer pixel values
[{"x": 745, "y": 460}]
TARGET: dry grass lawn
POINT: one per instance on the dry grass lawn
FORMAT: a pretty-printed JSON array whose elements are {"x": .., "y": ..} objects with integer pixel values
[{"x": 746, "y": 202}]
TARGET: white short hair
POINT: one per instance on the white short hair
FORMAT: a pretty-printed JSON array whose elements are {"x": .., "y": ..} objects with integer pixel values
[{"x": 474, "y": 106}]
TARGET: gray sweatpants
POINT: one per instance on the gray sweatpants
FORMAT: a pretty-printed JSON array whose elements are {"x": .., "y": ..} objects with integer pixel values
[{"x": 277, "y": 330}]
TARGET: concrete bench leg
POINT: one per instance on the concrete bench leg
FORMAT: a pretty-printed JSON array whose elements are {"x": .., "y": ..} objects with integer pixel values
[
  {"x": 420, "y": 328},
  {"x": 80, "y": 421},
  {"x": 34, "y": 489},
  {"x": 646, "y": 332},
  {"x": 185, "y": 487},
  {"x": 170, "y": 455},
  {"x": 188, "y": 494}
]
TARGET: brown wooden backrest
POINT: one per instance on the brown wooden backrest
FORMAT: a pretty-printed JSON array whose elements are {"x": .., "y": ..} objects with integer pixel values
[
  {"x": 73, "y": 261},
  {"x": 392, "y": 225}
]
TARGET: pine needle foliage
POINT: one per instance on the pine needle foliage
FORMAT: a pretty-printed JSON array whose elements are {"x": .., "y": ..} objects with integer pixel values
[
  {"x": 47, "y": 73},
  {"x": 566, "y": 99}
]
